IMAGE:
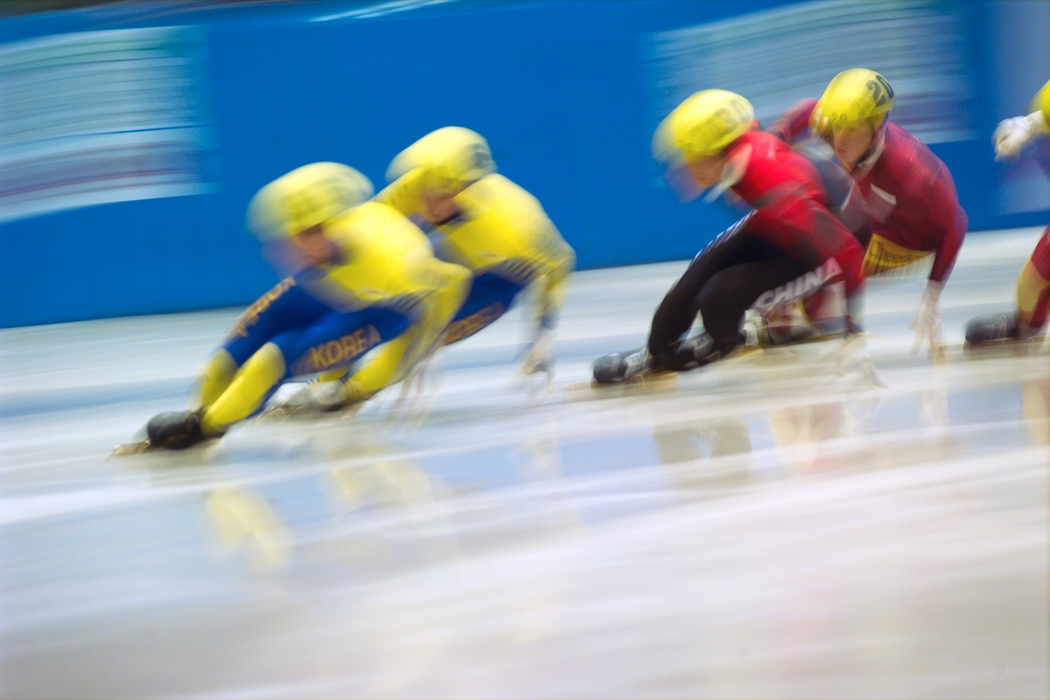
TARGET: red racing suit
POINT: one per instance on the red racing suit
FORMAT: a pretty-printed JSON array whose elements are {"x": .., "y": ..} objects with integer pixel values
[
  {"x": 790, "y": 249},
  {"x": 791, "y": 207},
  {"x": 910, "y": 193}
]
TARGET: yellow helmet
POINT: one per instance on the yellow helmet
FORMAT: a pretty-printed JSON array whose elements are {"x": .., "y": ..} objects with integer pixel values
[
  {"x": 853, "y": 96},
  {"x": 702, "y": 126},
  {"x": 306, "y": 197},
  {"x": 452, "y": 158},
  {"x": 1041, "y": 101}
]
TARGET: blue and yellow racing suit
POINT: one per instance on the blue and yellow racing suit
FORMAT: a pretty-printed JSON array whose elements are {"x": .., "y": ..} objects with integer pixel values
[
  {"x": 384, "y": 290},
  {"x": 504, "y": 237}
]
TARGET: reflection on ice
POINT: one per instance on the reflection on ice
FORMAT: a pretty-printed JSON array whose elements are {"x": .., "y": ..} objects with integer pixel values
[{"x": 243, "y": 518}]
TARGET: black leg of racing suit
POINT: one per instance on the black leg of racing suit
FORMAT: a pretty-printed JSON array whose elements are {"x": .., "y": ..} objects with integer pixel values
[{"x": 721, "y": 283}]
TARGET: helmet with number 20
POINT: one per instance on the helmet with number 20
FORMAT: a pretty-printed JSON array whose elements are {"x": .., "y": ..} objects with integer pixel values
[
  {"x": 854, "y": 96},
  {"x": 452, "y": 158},
  {"x": 702, "y": 126}
]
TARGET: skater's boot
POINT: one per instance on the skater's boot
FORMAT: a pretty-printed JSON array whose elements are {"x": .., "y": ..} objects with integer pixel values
[
  {"x": 175, "y": 430},
  {"x": 701, "y": 350},
  {"x": 694, "y": 352},
  {"x": 993, "y": 327},
  {"x": 621, "y": 366}
]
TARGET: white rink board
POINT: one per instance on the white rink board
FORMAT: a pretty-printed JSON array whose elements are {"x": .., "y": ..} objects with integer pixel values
[{"x": 768, "y": 530}]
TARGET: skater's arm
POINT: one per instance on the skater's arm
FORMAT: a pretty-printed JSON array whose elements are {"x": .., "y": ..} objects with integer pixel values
[
  {"x": 557, "y": 263},
  {"x": 949, "y": 226},
  {"x": 794, "y": 123},
  {"x": 392, "y": 361}
]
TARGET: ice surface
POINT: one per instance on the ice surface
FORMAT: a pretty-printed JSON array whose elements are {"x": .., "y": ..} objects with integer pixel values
[{"x": 770, "y": 529}]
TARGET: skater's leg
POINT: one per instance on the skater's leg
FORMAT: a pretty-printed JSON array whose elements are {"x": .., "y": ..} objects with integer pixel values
[
  {"x": 678, "y": 309},
  {"x": 1033, "y": 288},
  {"x": 247, "y": 392},
  {"x": 216, "y": 376},
  {"x": 239, "y": 376},
  {"x": 284, "y": 308},
  {"x": 731, "y": 292},
  {"x": 489, "y": 299},
  {"x": 672, "y": 319},
  {"x": 1033, "y": 299},
  {"x": 335, "y": 340},
  {"x": 722, "y": 301}
]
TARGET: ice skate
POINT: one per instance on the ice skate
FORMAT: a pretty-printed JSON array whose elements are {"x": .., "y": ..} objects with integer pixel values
[
  {"x": 622, "y": 373},
  {"x": 695, "y": 352},
  {"x": 992, "y": 328},
  {"x": 175, "y": 430},
  {"x": 1003, "y": 330},
  {"x": 621, "y": 366}
]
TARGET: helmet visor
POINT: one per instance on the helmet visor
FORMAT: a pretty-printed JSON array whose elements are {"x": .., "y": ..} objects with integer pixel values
[{"x": 681, "y": 181}]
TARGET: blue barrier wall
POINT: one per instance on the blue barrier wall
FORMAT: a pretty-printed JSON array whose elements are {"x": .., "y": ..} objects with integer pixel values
[{"x": 560, "y": 89}]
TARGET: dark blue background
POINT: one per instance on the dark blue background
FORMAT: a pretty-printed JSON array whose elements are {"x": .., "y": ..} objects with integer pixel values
[{"x": 556, "y": 87}]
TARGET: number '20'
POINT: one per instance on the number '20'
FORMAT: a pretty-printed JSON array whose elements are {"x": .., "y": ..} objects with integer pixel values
[{"x": 878, "y": 85}]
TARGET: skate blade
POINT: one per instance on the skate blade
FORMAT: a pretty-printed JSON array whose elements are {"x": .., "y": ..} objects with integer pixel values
[
  {"x": 139, "y": 447},
  {"x": 279, "y": 413},
  {"x": 745, "y": 351},
  {"x": 283, "y": 413},
  {"x": 820, "y": 338},
  {"x": 130, "y": 448},
  {"x": 649, "y": 383},
  {"x": 1008, "y": 347}
]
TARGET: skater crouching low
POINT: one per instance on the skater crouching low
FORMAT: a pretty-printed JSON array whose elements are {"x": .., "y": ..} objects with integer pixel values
[
  {"x": 789, "y": 250},
  {"x": 1028, "y": 319},
  {"x": 447, "y": 183},
  {"x": 362, "y": 280},
  {"x": 908, "y": 190}
]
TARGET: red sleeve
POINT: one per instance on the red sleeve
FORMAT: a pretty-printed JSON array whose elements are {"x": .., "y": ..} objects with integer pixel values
[
  {"x": 926, "y": 214},
  {"x": 954, "y": 229},
  {"x": 794, "y": 122},
  {"x": 944, "y": 220},
  {"x": 805, "y": 231}
]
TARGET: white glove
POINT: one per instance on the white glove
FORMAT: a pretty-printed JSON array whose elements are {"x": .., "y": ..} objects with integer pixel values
[
  {"x": 927, "y": 325},
  {"x": 1012, "y": 134},
  {"x": 418, "y": 379},
  {"x": 540, "y": 357},
  {"x": 321, "y": 397}
]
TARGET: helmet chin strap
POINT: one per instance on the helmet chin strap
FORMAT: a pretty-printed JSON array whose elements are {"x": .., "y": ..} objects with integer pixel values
[
  {"x": 732, "y": 172},
  {"x": 878, "y": 142}
]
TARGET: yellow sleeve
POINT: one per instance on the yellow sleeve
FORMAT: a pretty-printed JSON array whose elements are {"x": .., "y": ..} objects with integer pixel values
[
  {"x": 555, "y": 261},
  {"x": 449, "y": 285},
  {"x": 381, "y": 257},
  {"x": 390, "y": 262},
  {"x": 509, "y": 232}
]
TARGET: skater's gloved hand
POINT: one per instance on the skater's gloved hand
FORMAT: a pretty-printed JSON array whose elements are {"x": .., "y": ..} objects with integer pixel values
[
  {"x": 1012, "y": 134},
  {"x": 540, "y": 357},
  {"x": 927, "y": 325},
  {"x": 324, "y": 397}
]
